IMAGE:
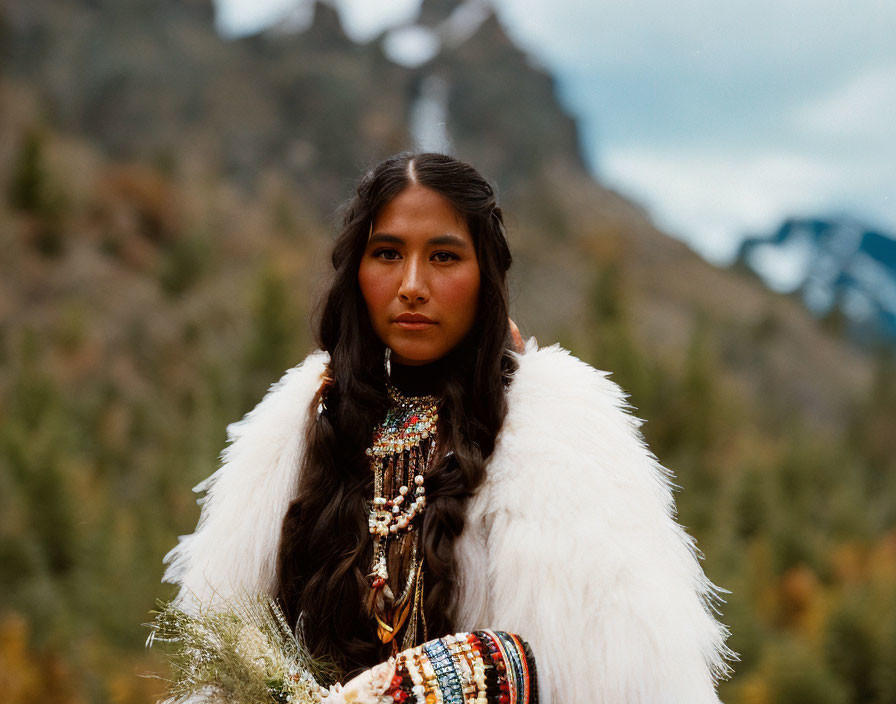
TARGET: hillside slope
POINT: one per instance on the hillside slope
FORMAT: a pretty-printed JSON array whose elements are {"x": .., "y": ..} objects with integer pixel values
[{"x": 151, "y": 82}]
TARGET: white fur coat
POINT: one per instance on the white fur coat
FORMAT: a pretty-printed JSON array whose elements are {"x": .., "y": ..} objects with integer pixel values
[{"x": 571, "y": 541}]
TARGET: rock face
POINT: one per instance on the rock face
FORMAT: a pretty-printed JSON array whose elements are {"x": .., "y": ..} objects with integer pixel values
[
  {"x": 146, "y": 78},
  {"x": 845, "y": 266}
]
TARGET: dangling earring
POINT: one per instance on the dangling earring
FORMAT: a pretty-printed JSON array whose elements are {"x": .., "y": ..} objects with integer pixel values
[{"x": 387, "y": 363}]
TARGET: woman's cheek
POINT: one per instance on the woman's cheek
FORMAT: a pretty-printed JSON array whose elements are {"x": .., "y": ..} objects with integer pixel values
[
  {"x": 471, "y": 289},
  {"x": 375, "y": 288},
  {"x": 460, "y": 294}
]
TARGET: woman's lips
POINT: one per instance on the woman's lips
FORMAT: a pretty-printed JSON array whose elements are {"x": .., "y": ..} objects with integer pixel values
[{"x": 414, "y": 321}]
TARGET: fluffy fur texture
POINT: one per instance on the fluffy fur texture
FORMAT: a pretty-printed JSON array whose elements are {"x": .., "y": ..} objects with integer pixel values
[{"x": 570, "y": 542}]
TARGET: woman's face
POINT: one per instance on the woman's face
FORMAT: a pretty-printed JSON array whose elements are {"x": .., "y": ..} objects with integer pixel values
[{"x": 419, "y": 276}]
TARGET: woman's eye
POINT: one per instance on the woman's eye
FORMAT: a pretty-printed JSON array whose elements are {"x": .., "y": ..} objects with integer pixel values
[
  {"x": 443, "y": 257},
  {"x": 389, "y": 255}
]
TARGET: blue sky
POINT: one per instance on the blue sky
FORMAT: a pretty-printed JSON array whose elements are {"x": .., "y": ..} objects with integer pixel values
[{"x": 721, "y": 118}]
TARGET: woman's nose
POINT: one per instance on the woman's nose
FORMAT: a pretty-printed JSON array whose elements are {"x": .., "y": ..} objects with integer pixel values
[{"x": 413, "y": 283}]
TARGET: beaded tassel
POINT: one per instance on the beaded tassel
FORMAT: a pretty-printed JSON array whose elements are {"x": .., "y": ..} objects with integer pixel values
[{"x": 404, "y": 445}]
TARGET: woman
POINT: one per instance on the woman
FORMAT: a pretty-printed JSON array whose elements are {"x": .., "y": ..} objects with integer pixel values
[{"x": 506, "y": 488}]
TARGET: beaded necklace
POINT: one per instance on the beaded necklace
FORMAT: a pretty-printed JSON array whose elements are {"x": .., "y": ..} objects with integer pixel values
[{"x": 403, "y": 448}]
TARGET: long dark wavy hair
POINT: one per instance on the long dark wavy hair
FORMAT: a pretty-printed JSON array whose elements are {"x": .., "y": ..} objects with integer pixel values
[{"x": 325, "y": 544}]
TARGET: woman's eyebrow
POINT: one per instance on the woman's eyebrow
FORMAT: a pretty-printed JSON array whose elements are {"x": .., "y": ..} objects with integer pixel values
[
  {"x": 448, "y": 239},
  {"x": 381, "y": 237}
]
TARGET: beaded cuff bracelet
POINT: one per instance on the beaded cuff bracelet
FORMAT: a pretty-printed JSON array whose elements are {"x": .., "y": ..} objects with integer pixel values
[{"x": 485, "y": 667}]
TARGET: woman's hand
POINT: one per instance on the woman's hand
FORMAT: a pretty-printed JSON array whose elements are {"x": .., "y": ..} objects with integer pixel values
[{"x": 366, "y": 688}]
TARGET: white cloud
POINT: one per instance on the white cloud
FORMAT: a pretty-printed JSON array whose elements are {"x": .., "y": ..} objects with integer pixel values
[
  {"x": 711, "y": 198},
  {"x": 859, "y": 109},
  {"x": 737, "y": 33}
]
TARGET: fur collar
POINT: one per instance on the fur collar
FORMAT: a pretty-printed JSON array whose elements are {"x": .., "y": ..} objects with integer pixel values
[{"x": 570, "y": 542}]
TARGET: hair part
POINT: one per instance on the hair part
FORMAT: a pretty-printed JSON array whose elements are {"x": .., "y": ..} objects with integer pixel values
[{"x": 325, "y": 544}]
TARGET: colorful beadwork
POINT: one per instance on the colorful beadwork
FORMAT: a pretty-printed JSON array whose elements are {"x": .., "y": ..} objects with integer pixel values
[
  {"x": 403, "y": 448},
  {"x": 497, "y": 656},
  {"x": 443, "y": 664},
  {"x": 409, "y": 421},
  {"x": 466, "y": 668}
]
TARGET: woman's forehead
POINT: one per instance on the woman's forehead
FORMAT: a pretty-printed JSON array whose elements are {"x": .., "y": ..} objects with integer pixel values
[{"x": 416, "y": 212}]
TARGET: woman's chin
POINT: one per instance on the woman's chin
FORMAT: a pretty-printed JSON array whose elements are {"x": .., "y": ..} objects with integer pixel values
[
  {"x": 415, "y": 361},
  {"x": 416, "y": 355}
]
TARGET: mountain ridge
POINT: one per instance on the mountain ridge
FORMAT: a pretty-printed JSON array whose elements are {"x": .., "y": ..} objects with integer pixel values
[
  {"x": 303, "y": 113},
  {"x": 846, "y": 266}
]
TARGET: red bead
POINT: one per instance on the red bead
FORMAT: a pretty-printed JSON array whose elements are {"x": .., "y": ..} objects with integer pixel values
[
  {"x": 400, "y": 696},
  {"x": 504, "y": 699},
  {"x": 505, "y": 687},
  {"x": 396, "y": 681}
]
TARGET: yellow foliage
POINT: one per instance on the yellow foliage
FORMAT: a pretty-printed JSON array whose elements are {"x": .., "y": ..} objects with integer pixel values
[
  {"x": 134, "y": 685},
  {"x": 759, "y": 583},
  {"x": 850, "y": 563},
  {"x": 19, "y": 674},
  {"x": 753, "y": 691},
  {"x": 27, "y": 676},
  {"x": 883, "y": 559},
  {"x": 798, "y": 588}
]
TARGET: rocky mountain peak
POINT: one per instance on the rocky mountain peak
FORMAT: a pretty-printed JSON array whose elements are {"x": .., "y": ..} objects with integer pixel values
[{"x": 839, "y": 266}]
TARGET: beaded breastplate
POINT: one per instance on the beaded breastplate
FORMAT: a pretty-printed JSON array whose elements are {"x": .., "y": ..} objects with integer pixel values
[{"x": 403, "y": 449}]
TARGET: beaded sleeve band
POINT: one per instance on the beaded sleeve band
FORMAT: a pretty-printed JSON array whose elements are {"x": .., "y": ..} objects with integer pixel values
[
  {"x": 465, "y": 668},
  {"x": 403, "y": 448}
]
